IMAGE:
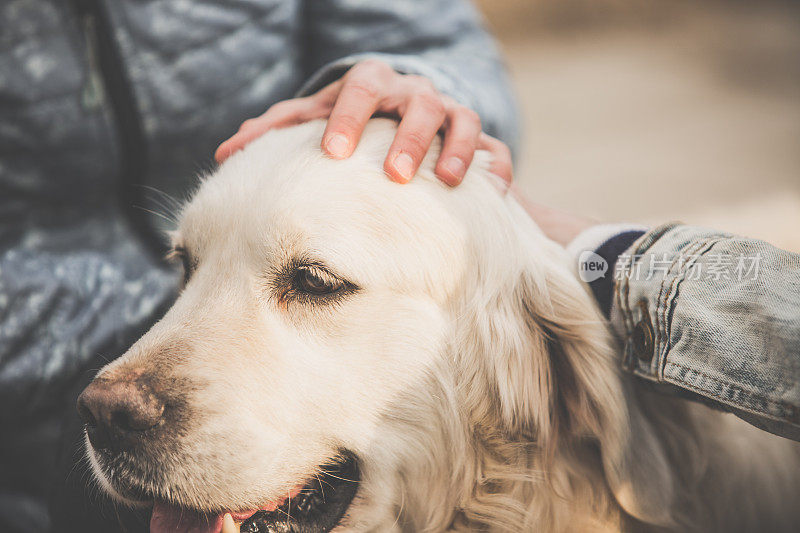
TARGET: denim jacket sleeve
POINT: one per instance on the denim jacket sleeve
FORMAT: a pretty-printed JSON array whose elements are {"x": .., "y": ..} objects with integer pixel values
[
  {"x": 714, "y": 316},
  {"x": 443, "y": 40}
]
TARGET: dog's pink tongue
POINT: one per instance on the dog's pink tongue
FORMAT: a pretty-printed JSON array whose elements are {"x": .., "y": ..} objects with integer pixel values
[{"x": 170, "y": 519}]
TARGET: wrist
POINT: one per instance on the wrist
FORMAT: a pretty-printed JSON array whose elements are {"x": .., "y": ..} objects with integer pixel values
[{"x": 559, "y": 226}]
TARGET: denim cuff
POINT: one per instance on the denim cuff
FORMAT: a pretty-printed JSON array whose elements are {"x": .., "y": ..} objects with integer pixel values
[
  {"x": 608, "y": 241},
  {"x": 715, "y": 315},
  {"x": 603, "y": 288}
]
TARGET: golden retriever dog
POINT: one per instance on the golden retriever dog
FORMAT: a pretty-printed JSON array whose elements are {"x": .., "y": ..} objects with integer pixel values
[{"x": 349, "y": 354}]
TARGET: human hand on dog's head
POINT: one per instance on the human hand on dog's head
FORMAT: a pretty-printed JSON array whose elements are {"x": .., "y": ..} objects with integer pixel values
[{"x": 371, "y": 87}]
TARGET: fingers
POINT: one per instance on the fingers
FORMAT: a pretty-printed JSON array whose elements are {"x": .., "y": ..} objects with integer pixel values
[
  {"x": 282, "y": 114},
  {"x": 421, "y": 121},
  {"x": 460, "y": 142},
  {"x": 228, "y": 525},
  {"x": 248, "y": 131},
  {"x": 501, "y": 164},
  {"x": 371, "y": 86},
  {"x": 364, "y": 86}
]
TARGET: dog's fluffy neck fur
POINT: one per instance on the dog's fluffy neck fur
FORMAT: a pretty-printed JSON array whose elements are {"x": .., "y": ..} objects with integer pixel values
[{"x": 485, "y": 479}]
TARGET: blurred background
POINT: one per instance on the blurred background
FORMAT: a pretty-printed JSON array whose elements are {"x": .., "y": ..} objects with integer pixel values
[{"x": 656, "y": 110}]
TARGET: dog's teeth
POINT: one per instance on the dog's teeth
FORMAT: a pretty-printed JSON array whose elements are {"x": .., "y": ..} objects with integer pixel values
[{"x": 228, "y": 525}]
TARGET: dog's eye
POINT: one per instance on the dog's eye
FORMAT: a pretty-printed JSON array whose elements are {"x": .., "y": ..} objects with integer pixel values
[
  {"x": 316, "y": 282},
  {"x": 307, "y": 283},
  {"x": 179, "y": 254}
]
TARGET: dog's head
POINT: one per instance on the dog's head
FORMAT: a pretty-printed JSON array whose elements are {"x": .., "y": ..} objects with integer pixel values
[{"x": 340, "y": 345}]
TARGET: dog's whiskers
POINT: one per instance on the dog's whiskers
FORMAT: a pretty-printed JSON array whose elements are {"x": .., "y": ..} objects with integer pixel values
[
  {"x": 338, "y": 477},
  {"x": 160, "y": 215},
  {"x": 400, "y": 511},
  {"x": 321, "y": 488}
]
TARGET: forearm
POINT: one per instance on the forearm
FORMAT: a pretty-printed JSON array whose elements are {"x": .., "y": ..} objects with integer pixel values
[{"x": 714, "y": 315}]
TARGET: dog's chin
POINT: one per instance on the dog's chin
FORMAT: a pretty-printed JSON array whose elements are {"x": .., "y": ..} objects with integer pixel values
[{"x": 317, "y": 506}]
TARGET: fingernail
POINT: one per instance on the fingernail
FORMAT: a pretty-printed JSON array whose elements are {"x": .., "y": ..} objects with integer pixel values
[
  {"x": 404, "y": 165},
  {"x": 337, "y": 145},
  {"x": 455, "y": 166}
]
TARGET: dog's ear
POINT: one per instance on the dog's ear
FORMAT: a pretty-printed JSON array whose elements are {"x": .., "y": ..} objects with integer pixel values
[
  {"x": 637, "y": 468},
  {"x": 551, "y": 368}
]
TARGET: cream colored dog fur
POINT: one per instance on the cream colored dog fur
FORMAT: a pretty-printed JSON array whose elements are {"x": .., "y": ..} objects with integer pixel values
[{"x": 465, "y": 365}]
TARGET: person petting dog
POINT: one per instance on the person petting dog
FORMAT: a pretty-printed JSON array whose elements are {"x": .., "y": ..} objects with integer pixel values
[{"x": 105, "y": 100}]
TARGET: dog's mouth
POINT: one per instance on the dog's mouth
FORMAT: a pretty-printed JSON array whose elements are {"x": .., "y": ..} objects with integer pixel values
[{"x": 317, "y": 506}]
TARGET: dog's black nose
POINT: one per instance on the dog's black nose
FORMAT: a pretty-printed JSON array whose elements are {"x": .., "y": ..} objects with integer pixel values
[{"x": 117, "y": 413}]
